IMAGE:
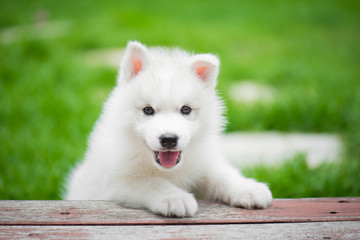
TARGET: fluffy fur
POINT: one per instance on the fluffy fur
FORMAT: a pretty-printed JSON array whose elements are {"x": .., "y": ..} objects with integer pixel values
[{"x": 129, "y": 161}]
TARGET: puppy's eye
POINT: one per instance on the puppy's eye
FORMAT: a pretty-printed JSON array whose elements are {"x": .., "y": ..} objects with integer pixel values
[
  {"x": 185, "y": 110},
  {"x": 149, "y": 111}
]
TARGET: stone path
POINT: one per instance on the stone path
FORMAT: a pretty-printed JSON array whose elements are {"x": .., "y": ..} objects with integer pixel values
[{"x": 271, "y": 148}]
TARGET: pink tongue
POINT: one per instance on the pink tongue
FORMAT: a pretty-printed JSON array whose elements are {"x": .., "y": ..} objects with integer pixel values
[{"x": 168, "y": 159}]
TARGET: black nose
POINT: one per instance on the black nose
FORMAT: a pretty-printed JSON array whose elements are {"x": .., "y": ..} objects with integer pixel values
[{"x": 168, "y": 140}]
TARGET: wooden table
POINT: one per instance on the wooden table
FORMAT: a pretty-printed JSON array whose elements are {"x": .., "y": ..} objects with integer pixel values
[{"x": 320, "y": 218}]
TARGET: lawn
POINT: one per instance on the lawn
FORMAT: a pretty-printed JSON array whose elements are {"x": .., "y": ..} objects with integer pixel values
[{"x": 51, "y": 93}]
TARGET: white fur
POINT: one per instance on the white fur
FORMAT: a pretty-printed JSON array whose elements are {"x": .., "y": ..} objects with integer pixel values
[{"x": 120, "y": 164}]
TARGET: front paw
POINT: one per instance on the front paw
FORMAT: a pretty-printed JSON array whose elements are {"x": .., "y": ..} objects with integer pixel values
[
  {"x": 175, "y": 205},
  {"x": 250, "y": 195}
]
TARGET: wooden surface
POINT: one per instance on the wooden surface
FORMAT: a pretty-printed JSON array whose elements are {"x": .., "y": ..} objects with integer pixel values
[{"x": 320, "y": 218}]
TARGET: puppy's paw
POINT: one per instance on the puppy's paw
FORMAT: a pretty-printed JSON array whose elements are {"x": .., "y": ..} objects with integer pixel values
[
  {"x": 250, "y": 195},
  {"x": 175, "y": 205}
]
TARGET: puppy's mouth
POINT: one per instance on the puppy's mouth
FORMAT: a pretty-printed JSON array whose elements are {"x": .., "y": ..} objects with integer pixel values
[{"x": 167, "y": 159}]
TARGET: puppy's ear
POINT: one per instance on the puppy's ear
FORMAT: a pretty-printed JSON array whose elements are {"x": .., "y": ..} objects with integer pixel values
[
  {"x": 134, "y": 61},
  {"x": 206, "y": 68}
]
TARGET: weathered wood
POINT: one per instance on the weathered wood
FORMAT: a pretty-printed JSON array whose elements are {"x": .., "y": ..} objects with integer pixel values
[
  {"x": 321, "y": 218},
  {"x": 112, "y": 213},
  {"x": 319, "y": 230}
]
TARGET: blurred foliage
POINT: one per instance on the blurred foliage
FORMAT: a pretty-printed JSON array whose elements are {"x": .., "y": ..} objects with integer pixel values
[
  {"x": 308, "y": 51},
  {"x": 295, "y": 179}
]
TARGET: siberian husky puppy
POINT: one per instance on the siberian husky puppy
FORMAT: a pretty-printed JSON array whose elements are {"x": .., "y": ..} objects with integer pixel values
[{"x": 157, "y": 144}]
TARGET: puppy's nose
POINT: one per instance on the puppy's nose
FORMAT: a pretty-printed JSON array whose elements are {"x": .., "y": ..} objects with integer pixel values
[{"x": 168, "y": 140}]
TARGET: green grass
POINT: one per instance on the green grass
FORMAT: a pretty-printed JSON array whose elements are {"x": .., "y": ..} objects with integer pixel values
[
  {"x": 295, "y": 179},
  {"x": 50, "y": 96}
]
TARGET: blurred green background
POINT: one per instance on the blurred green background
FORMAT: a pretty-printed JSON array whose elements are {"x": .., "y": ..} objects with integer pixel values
[{"x": 51, "y": 91}]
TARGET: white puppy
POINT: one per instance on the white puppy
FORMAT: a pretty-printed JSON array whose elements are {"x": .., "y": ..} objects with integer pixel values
[{"x": 157, "y": 144}]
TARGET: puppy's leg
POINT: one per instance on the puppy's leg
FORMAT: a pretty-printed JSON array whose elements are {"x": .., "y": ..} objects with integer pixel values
[
  {"x": 159, "y": 196},
  {"x": 224, "y": 183}
]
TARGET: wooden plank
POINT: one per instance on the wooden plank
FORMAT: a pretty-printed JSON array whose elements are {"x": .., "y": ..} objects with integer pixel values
[
  {"x": 112, "y": 213},
  {"x": 319, "y": 230}
]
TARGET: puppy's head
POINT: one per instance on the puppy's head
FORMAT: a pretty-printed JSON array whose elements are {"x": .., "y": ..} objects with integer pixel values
[{"x": 171, "y": 97}]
